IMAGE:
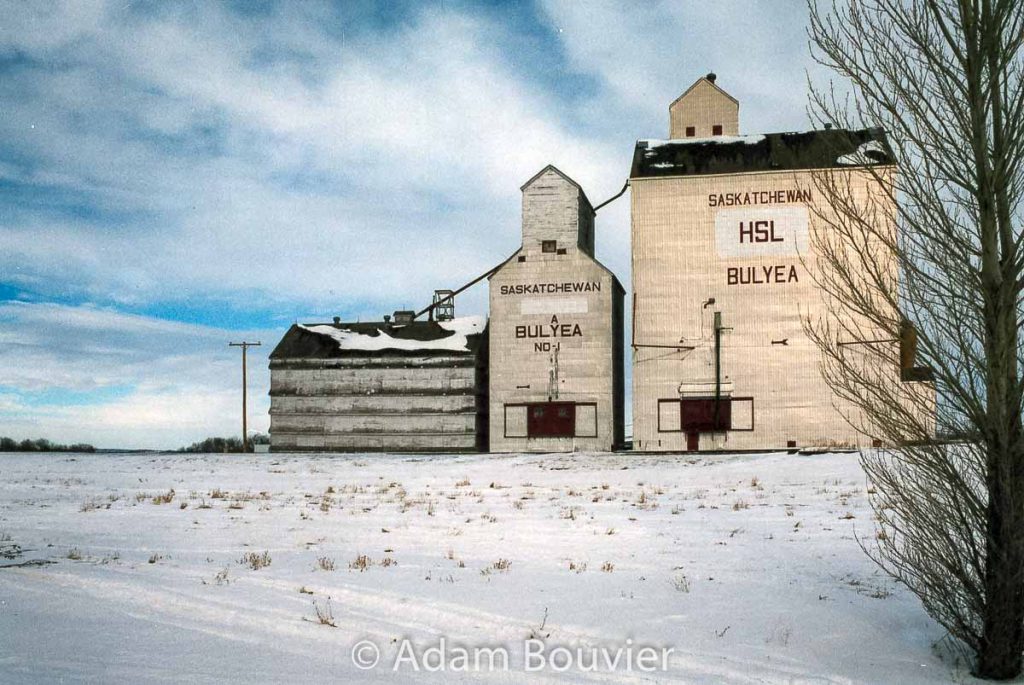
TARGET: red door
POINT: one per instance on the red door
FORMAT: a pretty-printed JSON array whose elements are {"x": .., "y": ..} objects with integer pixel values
[
  {"x": 551, "y": 420},
  {"x": 699, "y": 414}
]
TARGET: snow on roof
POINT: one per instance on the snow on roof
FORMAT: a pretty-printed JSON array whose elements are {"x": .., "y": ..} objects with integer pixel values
[
  {"x": 817, "y": 149},
  {"x": 722, "y": 140},
  {"x": 863, "y": 156},
  {"x": 355, "y": 340}
]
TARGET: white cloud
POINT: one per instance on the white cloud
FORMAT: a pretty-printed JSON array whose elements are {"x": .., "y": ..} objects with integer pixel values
[
  {"x": 139, "y": 421},
  {"x": 123, "y": 380},
  {"x": 297, "y": 162},
  {"x": 415, "y": 146},
  {"x": 647, "y": 54}
]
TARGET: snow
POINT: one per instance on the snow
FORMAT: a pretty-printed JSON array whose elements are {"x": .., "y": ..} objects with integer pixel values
[
  {"x": 860, "y": 157},
  {"x": 353, "y": 340},
  {"x": 748, "y": 567},
  {"x": 721, "y": 140}
]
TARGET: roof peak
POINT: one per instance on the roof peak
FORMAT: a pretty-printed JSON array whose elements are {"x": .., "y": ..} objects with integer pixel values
[
  {"x": 562, "y": 174},
  {"x": 711, "y": 79}
]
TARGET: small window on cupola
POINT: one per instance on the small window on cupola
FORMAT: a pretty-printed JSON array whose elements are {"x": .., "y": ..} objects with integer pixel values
[{"x": 549, "y": 246}]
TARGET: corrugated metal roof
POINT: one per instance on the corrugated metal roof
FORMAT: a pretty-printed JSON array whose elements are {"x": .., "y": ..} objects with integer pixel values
[{"x": 825, "y": 149}]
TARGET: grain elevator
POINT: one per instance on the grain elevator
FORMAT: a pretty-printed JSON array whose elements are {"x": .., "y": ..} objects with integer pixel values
[
  {"x": 556, "y": 356},
  {"x": 724, "y": 266}
]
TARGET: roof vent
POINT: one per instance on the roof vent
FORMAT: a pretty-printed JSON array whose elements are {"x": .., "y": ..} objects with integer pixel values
[
  {"x": 828, "y": 125},
  {"x": 404, "y": 316},
  {"x": 711, "y": 76},
  {"x": 387, "y": 318},
  {"x": 337, "y": 320}
]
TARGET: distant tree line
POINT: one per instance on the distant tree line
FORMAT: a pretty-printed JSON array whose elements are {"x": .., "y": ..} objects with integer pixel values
[
  {"x": 220, "y": 445},
  {"x": 41, "y": 445},
  {"x": 215, "y": 445}
]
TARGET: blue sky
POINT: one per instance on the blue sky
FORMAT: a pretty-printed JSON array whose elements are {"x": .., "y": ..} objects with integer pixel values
[{"x": 174, "y": 176}]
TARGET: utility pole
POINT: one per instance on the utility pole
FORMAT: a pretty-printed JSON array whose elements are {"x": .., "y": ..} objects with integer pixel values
[{"x": 245, "y": 424}]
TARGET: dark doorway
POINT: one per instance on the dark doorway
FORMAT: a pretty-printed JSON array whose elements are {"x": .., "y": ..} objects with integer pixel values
[
  {"x": 705, "y": 414},
  {"x": 551, "y": 420},
  {"x": 692, "y": 441}
]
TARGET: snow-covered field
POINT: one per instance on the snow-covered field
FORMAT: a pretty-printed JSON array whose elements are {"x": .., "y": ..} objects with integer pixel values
[{"x": 745, "y": 567}]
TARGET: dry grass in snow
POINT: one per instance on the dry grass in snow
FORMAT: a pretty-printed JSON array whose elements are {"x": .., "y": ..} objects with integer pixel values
[{"x": 748, "y": 566}]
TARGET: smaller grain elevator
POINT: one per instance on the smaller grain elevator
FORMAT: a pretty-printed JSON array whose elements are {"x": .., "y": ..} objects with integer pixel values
[
  {"x": 556, "y": 356},
  {"x": 397, "y": 385}
]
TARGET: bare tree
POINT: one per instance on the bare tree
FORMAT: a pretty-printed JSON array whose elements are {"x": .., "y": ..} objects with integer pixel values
[{"x": 933, "y": 257}]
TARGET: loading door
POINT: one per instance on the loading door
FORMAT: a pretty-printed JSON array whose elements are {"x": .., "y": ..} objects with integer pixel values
[
  {"x": 551, "y": 420},
  {"x": 704, "y": 415}
]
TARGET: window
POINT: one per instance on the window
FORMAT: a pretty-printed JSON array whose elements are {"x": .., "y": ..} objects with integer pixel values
[
  {"x": 549, "y": 246},
  {"x": 691, "y": 131},
  {"x": 551, "y": 420},
  {"x": 716, "y": 130}
]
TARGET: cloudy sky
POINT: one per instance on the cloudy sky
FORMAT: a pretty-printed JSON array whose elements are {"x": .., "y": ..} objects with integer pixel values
[{"x": 175, "y": 176}]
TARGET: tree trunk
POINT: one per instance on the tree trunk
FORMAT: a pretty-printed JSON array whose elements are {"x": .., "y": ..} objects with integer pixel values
[
  {"x": 946, "y": 80},
  {"x": 1002, "y": 645}
]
